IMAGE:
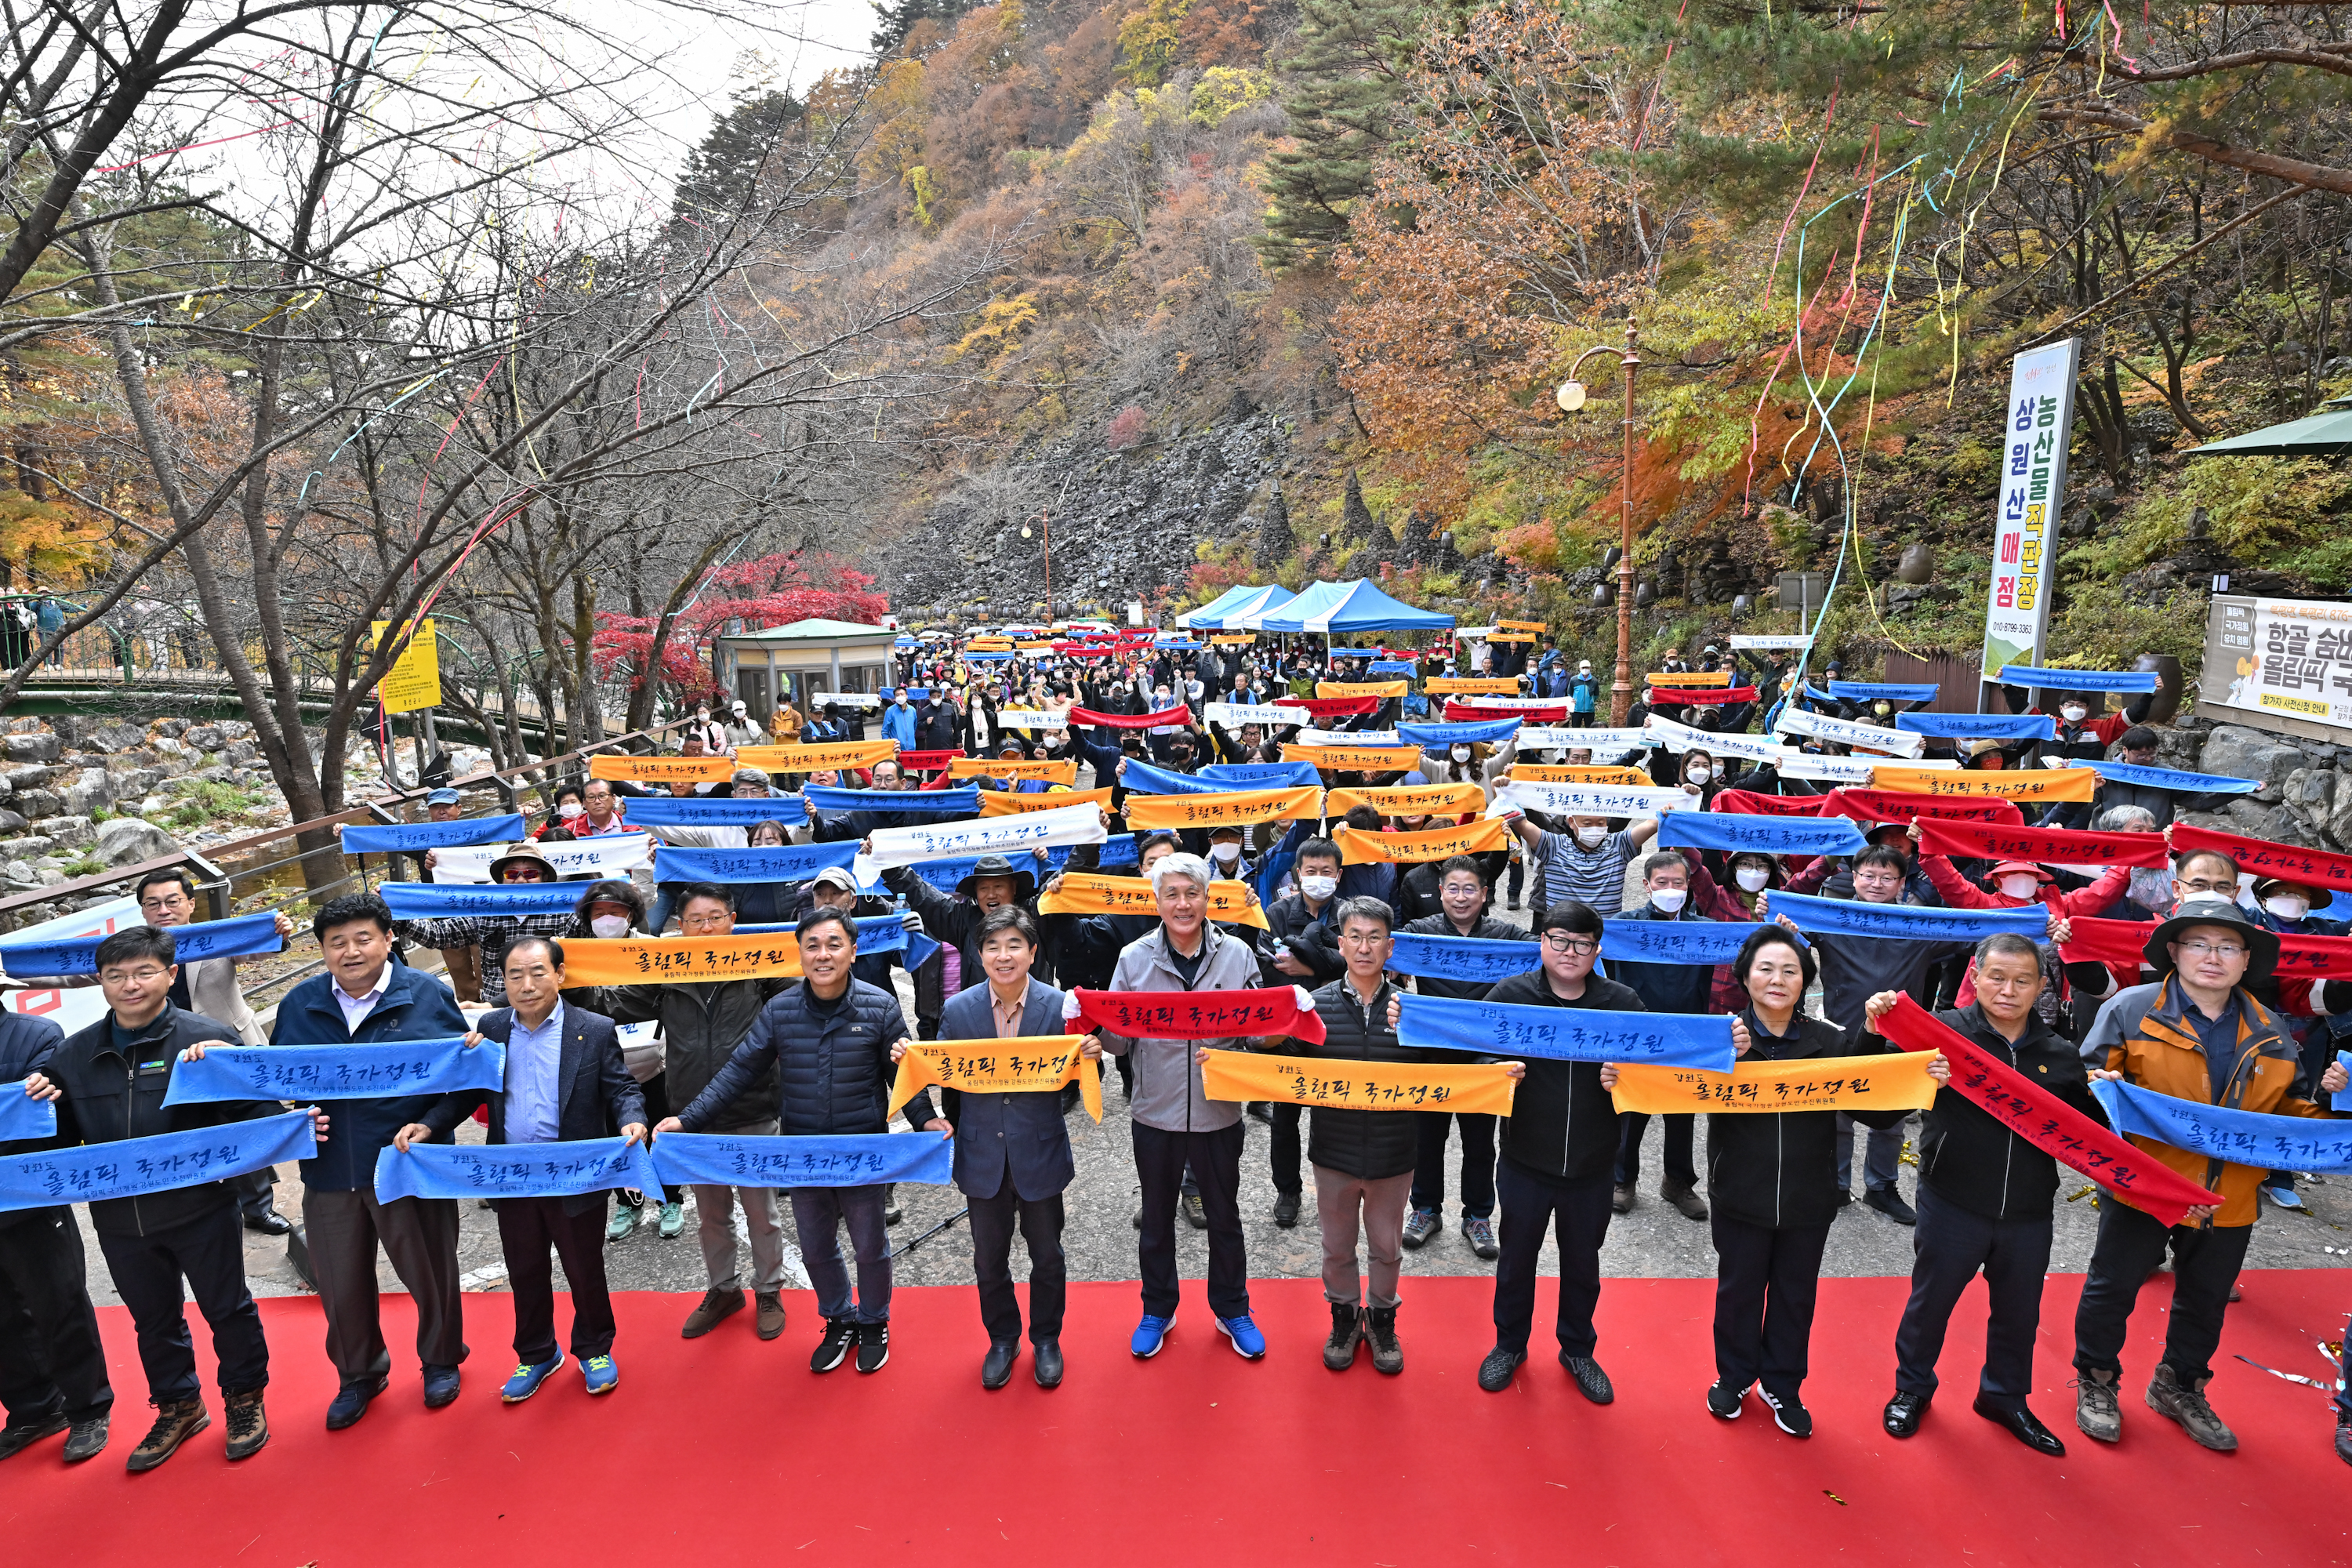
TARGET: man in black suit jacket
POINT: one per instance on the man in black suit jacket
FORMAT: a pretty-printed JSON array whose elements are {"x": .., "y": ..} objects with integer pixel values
[
  {"x": 1012, "y": 1152},
  {"x": 564, "y": 1082}
]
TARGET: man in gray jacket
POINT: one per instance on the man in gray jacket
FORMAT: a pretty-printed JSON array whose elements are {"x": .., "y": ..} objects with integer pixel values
[{"x": 1175, "y": 1122}]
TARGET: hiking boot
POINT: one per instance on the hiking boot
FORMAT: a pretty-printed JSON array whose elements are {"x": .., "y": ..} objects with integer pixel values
[
  {"x": 1621, "y": 1199},
  {"x": 1347, "y": 1332},
  {"x": 175, "y": 1424},
  {"x": 1684, "y": 1199},
  {"x": 248, "y": 1425},
  {"x": 1194, "y": 1214},
  {"x": 2097, "y": 1411},
  {"x": 718, "y": 1303},
  {"x": 86, "y": 1439},
  {"x": 19, "y": 1435},
  {"x": 2177, "y": 1400},
  {"x": 771, "y": 1321},
  {"x": 1286, "y": 1210},
  {"x": 1479, "y": 1232},
  {"x": 1419, "y": 1226},
  {"x": 1380, "y": 1330}
]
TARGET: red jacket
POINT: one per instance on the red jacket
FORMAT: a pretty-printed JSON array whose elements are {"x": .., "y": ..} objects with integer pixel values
[{"x": 1959, "y": 893}]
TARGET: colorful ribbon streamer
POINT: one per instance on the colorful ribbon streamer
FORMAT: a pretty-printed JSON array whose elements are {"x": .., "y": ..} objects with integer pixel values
[
  {"x": 1565, "y": 1034},
  {"x": 1409, "y": 800},
  {"x": 1674, "y": 941},
  {"x": 1474, "y": 960},
  {"x": 1907, "y": 922},
  {"x": 780, "y": 863},
  {"x": 2038, "y": 784},
  {"x": 1261, "y": 776},
  {"x": 1016, "y": 802},
  {"x": 2048, "y": 846},
  {"x": 808, "y": 758},
  {"x": 1376, "y": 759},
  {"x": 1165, "y": 719},
  {"x": 433, "y": 901},
  {"x": 681, "y": 811},
  {"x": 1979, "y": 726},
  {"x": 304, "y": 1073},
  {"x": 1865, "y": 805},
  {"x": 2174, "y": 779},
  {"x": 2077, "y": 680},
  {"x": 1887, "y": 1082},
  {"x": 1592, "y": 800},
  {"x": 1489, "y": 731},
  {"x": 1733, "y": 832},
  {"x": 2219, "y": 1132},
  {"x": 661, "y": 770},
  {"x": 1009, "y": 836},
  {"x": 1065, "y": 772},
  {"x": 1239, "y": 808},
  {"x": 1032, "y": 1064},
  {"x": 1477, "y": 1089},
  {"x": 964, "y": 802},
  {"x": 2308, "y": 868}
]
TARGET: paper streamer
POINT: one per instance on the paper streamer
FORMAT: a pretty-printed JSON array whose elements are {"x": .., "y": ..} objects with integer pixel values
[
  {"x": 567, "y": 1169},
  {"x": 1472, "y": 1090},
  {"x": 236, "y": 937},
  {"x": 410, "y": 837},
  {"x": 1565, "y": 1034},
  {"x": 1271, "y": 1013},
  {"x": 1089, "y": 893},
  {"x": 134, "y": 1167},
  {"x": 846, "y": 1160},
  {"x": 1887, "y": 1082},
  {"x": 379, "y": 1071},
  {"x": 1032, "y": 1064}
]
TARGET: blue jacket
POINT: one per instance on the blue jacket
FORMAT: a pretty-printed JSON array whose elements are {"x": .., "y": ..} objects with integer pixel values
[
  {"x": 1581, "y": 691},
  {"x": 594, "y": 1094},
  {"x": 834, "y": 1067},
  {"x": 1022, "y": 1135},
  {"x": 26, "y": 1047},
  {"x": 414, "y": 1008},
  {"x": 898, "y": 724}
]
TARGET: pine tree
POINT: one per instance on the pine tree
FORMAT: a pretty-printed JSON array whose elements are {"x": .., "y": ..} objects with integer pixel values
[
  {"x": 1347, "y": 81},
  {"x": 893, "y": 23},
  {"x": 722, "y": 174}
]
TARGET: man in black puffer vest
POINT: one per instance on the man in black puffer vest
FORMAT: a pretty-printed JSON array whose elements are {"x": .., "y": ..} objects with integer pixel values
[{"x": 829, "y": 1040}]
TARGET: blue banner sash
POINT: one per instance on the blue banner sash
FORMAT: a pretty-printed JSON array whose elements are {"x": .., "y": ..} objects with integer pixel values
[
  {"x": 680, "y": 811},
  {"x": 1262, "y": 775},
  {"x": 433, "y": 901},
  {"x": 962, "y": 802},
  {"x": 847, "y": 1161},
  {"x": 1473, "y": 959},
  {"x": 409, "y": 837},
  {"x": 876, "y": 933},
  {"x": 22, "y": 1116},
  {"x": 1890, "y": 691},
  {"x": 2218, "y": 1132},
  {"x": 1979, "y": 726},
  {"x": 1733, "y": 832},
  {"x": 134, "y": 1167},
  {"x": 239, "y": 938},
  {"x": 2174, "y": 778},
  {"x": 1907, "y": 922},
  {"x": 788, "y": 863},
  {"x": 1674, "y": 941},
  {"x": 2340, "y": 1101},
  {"x": 375, "y": 1071},
  {"x": 2077, "y": 680},
  {"x": 1566, "y": 1034},
  {"x": 1144, "y": 778},
  {"x": 1488, "y": 731},
  {"x": 514, "y": 1170}
]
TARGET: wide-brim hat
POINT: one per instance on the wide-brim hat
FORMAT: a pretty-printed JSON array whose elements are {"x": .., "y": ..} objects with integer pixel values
[
  {"x": 1023, "y": 883},
  {"x": 525, "y": 851},
  {"x": 2261, "y": 945}
]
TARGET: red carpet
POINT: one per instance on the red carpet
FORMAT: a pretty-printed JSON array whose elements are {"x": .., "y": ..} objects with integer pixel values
[{"x": 725, "y": 1449}]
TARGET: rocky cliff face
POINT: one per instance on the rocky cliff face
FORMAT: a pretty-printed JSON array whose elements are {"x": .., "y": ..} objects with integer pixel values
[
  {"x": 2306, "y": 793},
  {"x": 1125, "y": 523}
]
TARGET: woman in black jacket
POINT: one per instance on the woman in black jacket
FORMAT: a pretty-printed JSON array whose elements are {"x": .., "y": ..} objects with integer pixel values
[{"x": 1773, "y": 1189}]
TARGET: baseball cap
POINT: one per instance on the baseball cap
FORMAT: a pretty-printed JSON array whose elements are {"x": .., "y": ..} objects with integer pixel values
[
  {"x": 441, "y": 797},
  {"x": 833, "y": 876}
]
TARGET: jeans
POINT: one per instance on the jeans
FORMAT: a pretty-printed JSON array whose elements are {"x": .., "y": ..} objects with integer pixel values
[
  {"x": 1343, "y": 1202},
  {"x": 1039, "y": 1220},
  {"x": 1477, "y": 1162},
  {"x": 1949, "y": 1246},
  {"x": 1632, "y": 1124},
  {"x": 1766, "y": 1280},
  {"x": 51, "y": 1361},
  {"x": 818, "y": 1213},
  {"x": 209, "y": 1253},
  {"x": 527, "y": 1229},
  {"x": 2205, "y": 1264},
  {"x": 1579, "y": 1211},
  {"x": 665, "y": 905},
  {"x": 1215, "y": 1158},
  {"x": 1882, "y": 1153}
]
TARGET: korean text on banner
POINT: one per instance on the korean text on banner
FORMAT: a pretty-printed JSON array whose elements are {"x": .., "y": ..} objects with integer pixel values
[{"x": 1482, "y": 1089}]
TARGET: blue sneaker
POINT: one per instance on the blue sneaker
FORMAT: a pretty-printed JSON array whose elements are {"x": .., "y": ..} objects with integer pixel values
[
  {"x": 1151, "y": 1335},
  {"x": 601, "y": 1375},
  {"x": 1248, "y": 1343},
  {"x": 2285, "y": 1198},
  {"x": 527, "y": 1379}
]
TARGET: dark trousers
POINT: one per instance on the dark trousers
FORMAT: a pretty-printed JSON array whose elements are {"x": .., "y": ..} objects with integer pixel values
[
  {"x": 527, "y": 1229},
  {"x": 1579, "y": 1211},
  {"x": 1040, "y": 1223},
  {"x": 1477, "y": 1163},
  {"x": 51, "y": 1361},
  {"x": 209, "y": 1253},
  {"x": 1949, "y": 1247},
  {"x": 818, "y": 1215},
  {"x": 1765, "y": 1282},
  {"x": 1632, "y": 1124},
  {"x": 420, "y": 1236},
  {"x": 1284, "y": 1153},
  {"x": 257, "y": 1196},
  {"x": 1215, "y": 1159},
  {"x": 1882, "y": 1153},
  {"x": 2205, "y": 1264}
]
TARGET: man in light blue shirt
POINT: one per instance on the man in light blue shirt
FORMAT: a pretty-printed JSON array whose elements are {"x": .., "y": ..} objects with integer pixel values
[{"x": 533, "y": 1055}]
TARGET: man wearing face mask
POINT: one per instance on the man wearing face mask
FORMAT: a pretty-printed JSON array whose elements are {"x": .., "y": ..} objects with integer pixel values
[
  {"x": 899, "y": 721},
  {"x": 1663, "y": 988},
  {"x": 1584, "y": 691},
  {"x": 1586, "y": 865},
  {"x": 2082, "y": 738}
]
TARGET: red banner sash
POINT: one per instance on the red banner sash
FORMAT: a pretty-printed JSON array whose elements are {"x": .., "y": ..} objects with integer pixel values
[
  {"x": 1200, "y": 1015},
  {"x": 2094, "y": 941},
  {"x": 2309, "y": 867},
  {"x": 1179, "y": 714},
  {"x": 1331, "y": 707},
  {"x": 2047, "y": 1122},
  {"x": 2044, "y": 846},
  {"x": 1863, "y": 804},
  {"x": 1747, "y": 802},
  {"x": 1533, "y": 712},
  {"x": 1675, "y": 696}
]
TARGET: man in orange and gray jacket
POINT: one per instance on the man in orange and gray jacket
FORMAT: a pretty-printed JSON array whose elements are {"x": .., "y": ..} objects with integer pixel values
[{"x": 2198, "y": 1035}]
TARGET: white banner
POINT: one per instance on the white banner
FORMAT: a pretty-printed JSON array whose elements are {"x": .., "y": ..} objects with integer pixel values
[
  {"x": 1011, "y": 835},
  {"x": 1234, "y": 715},
  {"x": 1796, "y": 721},
  {"x": 2040, "y": 414},
  {"x": 1534, "y": 737},
  {"x": 2288, "y": 657},
  {"x": 79, "y": 1006},
  {"x": 1030, "y": 719},
  {"x": 606, "y": 855},
  {"x": 1790, "y": 762},
  {"x": 1591, "y": 800},
  {"x": 1769, "y": 644}
]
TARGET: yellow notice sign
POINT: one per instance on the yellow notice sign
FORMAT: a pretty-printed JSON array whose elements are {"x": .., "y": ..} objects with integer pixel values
[{"x": 414, "y": 681}]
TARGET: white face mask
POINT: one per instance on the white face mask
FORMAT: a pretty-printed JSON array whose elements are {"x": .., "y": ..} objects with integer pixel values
[
  {"x": 2020, "y": 887},
  {"x": 1700, "y": 775},
  {"x": 1668, "y": 900},
  {"x": 1461, "y": 753},
  {"x": 2073, "y": 712},
  {"x": 1227, "y": 853},
  {"x": 702, "y": 716},
  {"x": 2286, "y": 906},
  {"x": 610, "y": 925},
  {"x": 1319, "y": 888},
  {"x": 1752, "y": 879},
  {"x": 568, "y": 810},
  {"x": 1592, "y": 838}
]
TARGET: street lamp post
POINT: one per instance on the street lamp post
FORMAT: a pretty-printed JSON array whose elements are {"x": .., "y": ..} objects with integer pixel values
[{"x": 1570, "y": 399}]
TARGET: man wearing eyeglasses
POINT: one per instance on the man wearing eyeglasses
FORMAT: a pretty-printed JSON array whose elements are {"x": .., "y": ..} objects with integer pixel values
[{"x": 2199, "y": 1034}]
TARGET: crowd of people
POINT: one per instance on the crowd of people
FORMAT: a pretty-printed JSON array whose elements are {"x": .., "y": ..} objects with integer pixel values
[{"x": 2197, "y": 1013}]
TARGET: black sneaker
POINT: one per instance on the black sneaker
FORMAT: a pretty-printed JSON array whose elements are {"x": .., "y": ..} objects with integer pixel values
[
  {"x": 2342, "y": 1436},
  {"x": 19, "y": 1435},
  {"x": 1285, "y": 1209},
  {"x": 1788, "y": 1414},
  {"x": 1889, "y": 1202},
  {"x": 1722, "y": 1401},
  {"x": 1591, "y": 1381},
  {"x": 1495, "y": 1373},
  {"x": 872, "y": 1346},
  {"x": 840, "y": 1333}
]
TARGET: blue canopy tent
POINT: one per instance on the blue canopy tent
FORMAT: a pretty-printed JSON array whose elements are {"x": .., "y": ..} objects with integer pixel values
[
  {"x": 1338, "y": 609},
  {"x": 1244, "y": 615},
  {"x": 1206, "y": 615}
]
